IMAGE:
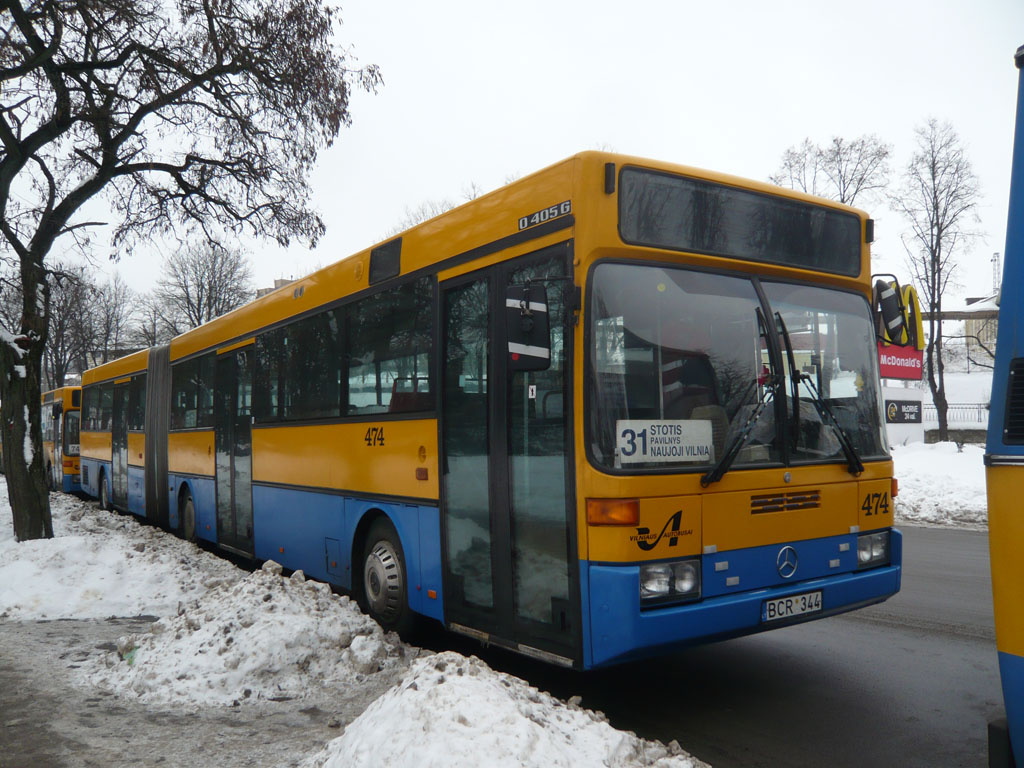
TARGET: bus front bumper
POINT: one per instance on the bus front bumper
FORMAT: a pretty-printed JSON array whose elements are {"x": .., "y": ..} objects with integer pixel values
[{"x": 620, "y": 631}]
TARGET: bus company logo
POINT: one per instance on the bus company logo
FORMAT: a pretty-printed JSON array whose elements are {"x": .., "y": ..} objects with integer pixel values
[
  {"x": 786, "y": 562},
  {"x": 648, "y": 541}
]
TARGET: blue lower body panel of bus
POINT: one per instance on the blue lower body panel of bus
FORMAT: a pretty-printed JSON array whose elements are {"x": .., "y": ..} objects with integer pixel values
[
  {"x": 620, "y": 630},
  {"x": 68, "y": 484},
  {"x": 1011, "y": 670}
]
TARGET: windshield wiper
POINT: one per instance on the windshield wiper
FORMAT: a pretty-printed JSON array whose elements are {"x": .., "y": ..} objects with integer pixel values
[
  {"x": 854, "y": 465},
  {"x": 794, "y": 385},
  {"x": 716, "y": 473}
]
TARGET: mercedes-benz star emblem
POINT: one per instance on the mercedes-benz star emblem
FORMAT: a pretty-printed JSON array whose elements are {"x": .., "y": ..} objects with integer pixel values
[{"x": 786, "y": 562}]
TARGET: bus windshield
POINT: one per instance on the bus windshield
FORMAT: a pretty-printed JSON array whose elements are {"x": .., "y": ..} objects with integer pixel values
[
  {"x": 833, "y": 347},
  {"x": 680, "y": 360}
]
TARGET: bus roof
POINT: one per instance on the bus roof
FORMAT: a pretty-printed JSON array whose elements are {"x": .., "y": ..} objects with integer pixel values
[
  {"x": 60, "y": 394},
  {"x": 122, "y": 366}
]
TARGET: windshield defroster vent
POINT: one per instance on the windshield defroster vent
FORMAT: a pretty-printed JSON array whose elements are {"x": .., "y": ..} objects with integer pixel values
[{"x": 784, "y": 501}]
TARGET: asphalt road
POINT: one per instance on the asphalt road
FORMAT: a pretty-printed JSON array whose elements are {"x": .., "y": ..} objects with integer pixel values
[{"x": 911, "y": 682}]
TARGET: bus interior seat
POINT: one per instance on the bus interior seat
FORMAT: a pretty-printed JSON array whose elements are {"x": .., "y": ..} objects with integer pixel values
[{"x": 406, "y": 396}]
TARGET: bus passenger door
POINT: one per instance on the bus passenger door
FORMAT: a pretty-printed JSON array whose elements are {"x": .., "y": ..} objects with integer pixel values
[
  {"x": 507, "y": 508},
  {"x": 232, "y": 419},
  {"x": 119, "y": 448},
  {"x": 57, "y": 469}
]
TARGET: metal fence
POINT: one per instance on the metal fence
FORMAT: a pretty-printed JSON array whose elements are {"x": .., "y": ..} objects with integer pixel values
[{"x": 960, "y": 414}]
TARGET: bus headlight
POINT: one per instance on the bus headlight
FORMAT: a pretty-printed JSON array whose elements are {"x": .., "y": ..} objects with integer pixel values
[
  {"x": 655, "y": 581},
  {"x": 872, "y": 549},
  {"x": 686, "y": 577},
  {"x": 669, "y": 582}
]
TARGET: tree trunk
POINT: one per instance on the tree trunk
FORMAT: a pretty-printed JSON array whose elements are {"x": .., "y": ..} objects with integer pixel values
[
  {"x": 21, "y": 364},
  {"x": 937, "y": 385},
  {"x": 23, "y": 459}
]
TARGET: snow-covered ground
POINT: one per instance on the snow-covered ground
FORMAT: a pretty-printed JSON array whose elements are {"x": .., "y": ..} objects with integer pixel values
[
  {"x": 227, "y": 638},
  {"x": 941, "y": 485}
]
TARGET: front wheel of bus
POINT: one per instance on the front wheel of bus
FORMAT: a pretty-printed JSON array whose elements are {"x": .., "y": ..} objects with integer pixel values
[{"x": 384, "y": 578}]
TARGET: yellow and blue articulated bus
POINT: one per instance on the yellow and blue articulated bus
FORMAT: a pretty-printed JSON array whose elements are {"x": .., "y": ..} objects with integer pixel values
[
  {"x": 60, "y": 422},
  {"x": 1004, "y": 461},
  {"x": 608, "y": 410}
]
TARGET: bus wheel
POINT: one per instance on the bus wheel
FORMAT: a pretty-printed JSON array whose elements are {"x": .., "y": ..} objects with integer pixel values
[
  {"x": 384, "y": 578},
  {"x": 105, "y": 494},
  {"x": 188, "y": 518}
]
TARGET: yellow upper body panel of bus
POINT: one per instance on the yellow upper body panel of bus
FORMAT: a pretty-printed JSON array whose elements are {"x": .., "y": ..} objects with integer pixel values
[
  {"x": 115, "y": 369},
  {"x": 62, "y": 395}
]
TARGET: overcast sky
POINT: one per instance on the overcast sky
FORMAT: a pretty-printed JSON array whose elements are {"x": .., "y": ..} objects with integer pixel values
[{"x": 476, "y": 92}]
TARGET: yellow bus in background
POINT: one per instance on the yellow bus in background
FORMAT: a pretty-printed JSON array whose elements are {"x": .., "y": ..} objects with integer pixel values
[
  {"x": 613, "y": 408},
  {"x": 60, "y": 421}
]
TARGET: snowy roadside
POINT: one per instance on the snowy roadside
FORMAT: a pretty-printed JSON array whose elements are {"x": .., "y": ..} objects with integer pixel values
[
  {"x": 941, "y": 485},
  {"x": 231, "y": 639}
]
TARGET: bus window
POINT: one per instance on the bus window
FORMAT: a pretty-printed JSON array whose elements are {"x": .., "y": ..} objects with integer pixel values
[
  {"x": 106, "y": 411},
  {"x": 184, "y": 412},
  {"x": 389, "y": 344},
  {"x": 191, "y": 393},
  {"x": 137, "y": 403},
  {"x": 71, "y": 428},
  {"x": 91, "y": 408},
  {"x": 311, "y": 357}
]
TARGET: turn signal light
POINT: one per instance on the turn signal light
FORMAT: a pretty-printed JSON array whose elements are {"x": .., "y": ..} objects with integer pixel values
[
  {"x": 613, "y": 511},
  {"x": 895, "y": 488}
]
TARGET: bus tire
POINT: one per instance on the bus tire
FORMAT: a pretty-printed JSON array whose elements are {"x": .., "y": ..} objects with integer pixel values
[
  {"x": 105, "y": 494},
  {"x": 384, "y": 588},
  {"x": 187, "y": 517}
]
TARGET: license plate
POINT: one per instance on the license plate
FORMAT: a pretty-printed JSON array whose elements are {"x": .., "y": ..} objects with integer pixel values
[{"x": 788, "y": 607}]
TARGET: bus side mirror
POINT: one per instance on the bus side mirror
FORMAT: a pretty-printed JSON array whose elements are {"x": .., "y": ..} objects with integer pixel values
[
  {"x": 527, "y": 328},
  {"x": 892, "y": 321}
]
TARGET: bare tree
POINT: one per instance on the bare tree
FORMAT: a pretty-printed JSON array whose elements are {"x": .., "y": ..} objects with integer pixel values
[
  {"x": 112, "y": 318},
  {"x": 799, "y": 168},
  {"x": 204, "y": 114},
  {"x": 149, "y": 327},
  {"x": 938, "y": 197},
  {"x": 843, "y": 170},
  {"x": 201, "y": 282},
  {"x": 71, "y": 332}
]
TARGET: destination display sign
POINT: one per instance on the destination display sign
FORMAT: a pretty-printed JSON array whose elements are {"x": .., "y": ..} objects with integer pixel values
[{"x": 664, "y": 441}]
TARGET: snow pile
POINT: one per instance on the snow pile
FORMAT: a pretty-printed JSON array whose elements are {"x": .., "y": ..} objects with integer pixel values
[
  {"x": 456, "y": 712},
  {"x": 940, "y": 485},
  {"x": 98, "y": 565},
  {"x": 265, "y": 637}
]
